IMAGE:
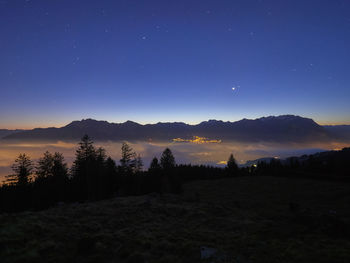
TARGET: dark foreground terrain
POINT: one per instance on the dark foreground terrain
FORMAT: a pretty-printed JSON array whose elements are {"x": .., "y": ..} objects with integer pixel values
[{"x": 247, "y": 219}]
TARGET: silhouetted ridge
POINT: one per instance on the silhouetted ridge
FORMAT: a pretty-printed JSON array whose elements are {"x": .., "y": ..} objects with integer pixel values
[
  {"x": 87, "y": 123},
  {"x": 6, "y": 132},
  {"x": 341, "y": 132},
  {"x": 273, "y": 128}
]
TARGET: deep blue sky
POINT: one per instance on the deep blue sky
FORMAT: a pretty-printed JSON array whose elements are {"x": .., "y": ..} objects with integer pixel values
[{"x": 151, "y": 61}]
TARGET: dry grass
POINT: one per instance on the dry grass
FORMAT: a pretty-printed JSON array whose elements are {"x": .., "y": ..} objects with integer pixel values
[{"x": 249, "y": 219}]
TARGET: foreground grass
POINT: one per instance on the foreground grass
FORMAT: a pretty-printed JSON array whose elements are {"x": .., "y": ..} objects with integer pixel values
[{"x": 248, "y": 219}]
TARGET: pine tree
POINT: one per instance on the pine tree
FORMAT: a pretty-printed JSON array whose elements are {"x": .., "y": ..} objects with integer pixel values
[
  {"x": 84, "y": 158},
  {"x": 138, "y": 164},
  {"x": 44, "y": 167},
  {"x": 167, "y": 160},
  {"x": 23, "y": 169},
  {"x": 154, "y": 166},
  {"x": 101, "y": 155},
  {"x": 85, "y": 169},
  {"x": 113, "y": 178},
  {"x": 59, "y": 168},
  {"x": 128, "y": 160},
  {"x": 101, "y": 158},
  {"x": 52, "y": 166},
  {"x": 232, "y": 166}
]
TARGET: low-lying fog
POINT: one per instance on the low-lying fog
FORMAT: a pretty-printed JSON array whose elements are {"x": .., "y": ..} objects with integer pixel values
[{"x": 184, "y": 152}]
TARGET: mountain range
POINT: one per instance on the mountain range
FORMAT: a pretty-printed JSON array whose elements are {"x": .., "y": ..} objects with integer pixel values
[
  {"x": 6, "y": 132},
  {"x": 284, "y": 128}
]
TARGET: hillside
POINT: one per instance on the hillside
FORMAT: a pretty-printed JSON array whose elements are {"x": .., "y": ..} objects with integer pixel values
[
  {"x": 284, "y": 128},
  {"x": 247, "y": 219}
]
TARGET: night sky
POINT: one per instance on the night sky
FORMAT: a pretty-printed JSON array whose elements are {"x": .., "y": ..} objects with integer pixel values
[{"x": 151, "y": 61}]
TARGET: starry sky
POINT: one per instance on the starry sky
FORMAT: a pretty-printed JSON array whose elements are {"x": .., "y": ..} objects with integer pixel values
[{"x": 150, "y": 61}]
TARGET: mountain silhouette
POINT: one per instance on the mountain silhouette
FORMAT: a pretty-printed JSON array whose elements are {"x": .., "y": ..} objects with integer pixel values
[
  {"x": 341, "y": 132},
  {"x": 282, "y": 128},
  {"x": 6, "y": 132}
]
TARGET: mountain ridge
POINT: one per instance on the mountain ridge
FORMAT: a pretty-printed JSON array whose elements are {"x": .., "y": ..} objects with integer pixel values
[
  {"x": 271, "y": 128},
  {"x": 6, "y": 132}
]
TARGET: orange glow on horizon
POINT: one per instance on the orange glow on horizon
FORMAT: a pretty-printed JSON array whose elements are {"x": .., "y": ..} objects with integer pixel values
[{"x": 27, "y": 126}]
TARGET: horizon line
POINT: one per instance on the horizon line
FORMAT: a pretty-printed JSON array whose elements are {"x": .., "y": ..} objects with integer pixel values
[{"x": 61, "y": 125}]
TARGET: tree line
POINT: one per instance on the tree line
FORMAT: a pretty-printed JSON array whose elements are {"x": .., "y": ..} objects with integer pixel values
[
  {"x": 95, "y": 176},
  {"x": 329, "y": 165}
]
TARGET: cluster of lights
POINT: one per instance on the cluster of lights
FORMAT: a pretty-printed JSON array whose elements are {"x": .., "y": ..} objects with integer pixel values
[{"x": 197, "y": 140}]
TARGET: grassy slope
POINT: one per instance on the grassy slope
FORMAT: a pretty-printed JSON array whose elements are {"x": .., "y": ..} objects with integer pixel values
[{"x": 248, "y": 219}]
